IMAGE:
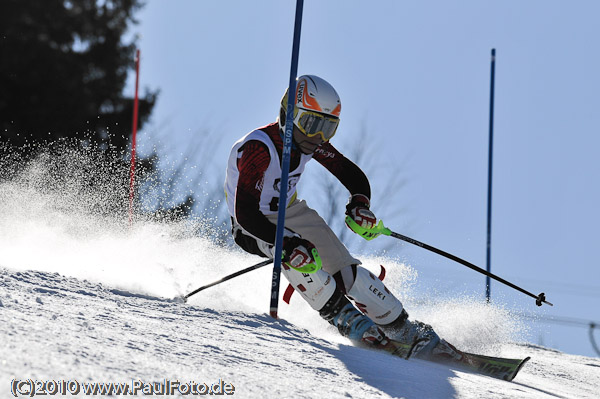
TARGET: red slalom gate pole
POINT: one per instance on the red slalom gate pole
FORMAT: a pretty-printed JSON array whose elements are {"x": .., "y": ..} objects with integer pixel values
[{"x": 133, "y": 136}]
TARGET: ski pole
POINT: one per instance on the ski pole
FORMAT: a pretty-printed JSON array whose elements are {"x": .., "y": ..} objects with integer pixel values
[
  {"x": 369, "y": 234},
  {"x": 228, "y": 277}
]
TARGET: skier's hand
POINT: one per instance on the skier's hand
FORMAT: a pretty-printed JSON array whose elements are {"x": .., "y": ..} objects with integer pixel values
[
  {"x": 300, "y": 254},
  {"x": 358, "y": 210}
]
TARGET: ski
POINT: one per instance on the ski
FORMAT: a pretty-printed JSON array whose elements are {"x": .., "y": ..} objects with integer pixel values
[
  {"x": 497, "y": 367},
  {"x": 396, "y": 348}
]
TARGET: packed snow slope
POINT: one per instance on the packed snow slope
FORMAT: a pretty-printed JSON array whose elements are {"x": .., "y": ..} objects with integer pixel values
[
  {"x": 55, "y": 327},
  {"x": 86, "y": 297}
]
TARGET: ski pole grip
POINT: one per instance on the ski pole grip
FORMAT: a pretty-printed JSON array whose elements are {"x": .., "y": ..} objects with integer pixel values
[{"x": 367, "y": 234}]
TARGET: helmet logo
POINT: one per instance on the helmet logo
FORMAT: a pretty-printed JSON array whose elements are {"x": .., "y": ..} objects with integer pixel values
[{"x": 300, "y": 92}]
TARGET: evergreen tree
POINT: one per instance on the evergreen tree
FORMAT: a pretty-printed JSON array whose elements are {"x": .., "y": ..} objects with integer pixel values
[{"x": 63, "y": 68}]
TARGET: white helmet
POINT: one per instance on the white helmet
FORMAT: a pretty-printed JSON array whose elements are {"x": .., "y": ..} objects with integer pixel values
[{"x": 317, "y": 108}]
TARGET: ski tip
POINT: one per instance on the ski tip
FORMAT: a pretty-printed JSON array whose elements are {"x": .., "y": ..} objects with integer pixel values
[
  {"x": 519, "y": 367},
  {"x": 180, "y": 299}
]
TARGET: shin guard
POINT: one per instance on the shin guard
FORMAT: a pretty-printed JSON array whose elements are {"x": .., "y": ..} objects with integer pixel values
[{"x": 373, "y": 298}]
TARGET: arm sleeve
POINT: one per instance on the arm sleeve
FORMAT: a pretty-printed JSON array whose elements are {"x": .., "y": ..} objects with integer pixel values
[
  {"x": 252, "y": 165},
  {"x": 346, "y": 171}
]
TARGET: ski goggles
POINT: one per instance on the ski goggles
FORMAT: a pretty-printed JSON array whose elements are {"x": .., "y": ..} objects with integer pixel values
[{"x": 313, "y": 123}]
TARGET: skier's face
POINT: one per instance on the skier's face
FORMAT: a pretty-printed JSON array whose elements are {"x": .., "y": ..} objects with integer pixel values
[{"x": 307, "y": 145}]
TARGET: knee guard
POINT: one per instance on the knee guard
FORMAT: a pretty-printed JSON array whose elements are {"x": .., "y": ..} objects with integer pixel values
[
  {"x": 316, "y": 288},
  {"x": 372, "y": 297}
]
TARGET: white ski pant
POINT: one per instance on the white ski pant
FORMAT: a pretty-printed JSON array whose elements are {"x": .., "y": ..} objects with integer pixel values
[{"x": 307, "y": 222}]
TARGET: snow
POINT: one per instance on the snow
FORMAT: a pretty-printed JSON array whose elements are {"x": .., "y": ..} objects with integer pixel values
[
  {"x": 84, "y": 297},
  {"x": 58, "y": 327}
]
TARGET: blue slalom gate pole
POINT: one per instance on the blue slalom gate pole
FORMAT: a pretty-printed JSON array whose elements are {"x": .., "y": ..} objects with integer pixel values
[
  {"x": 285, "y": 163},
  {"x": 489, "y": 204}
]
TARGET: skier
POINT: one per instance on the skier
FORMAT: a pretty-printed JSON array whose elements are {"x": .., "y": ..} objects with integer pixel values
[{"x": 315, "y": 262}]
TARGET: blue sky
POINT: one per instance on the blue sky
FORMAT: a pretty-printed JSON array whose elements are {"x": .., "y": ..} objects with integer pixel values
[{"x": 415, "y": 76}]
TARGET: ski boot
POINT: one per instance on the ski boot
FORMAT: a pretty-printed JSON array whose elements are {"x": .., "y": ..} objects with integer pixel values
[
  {"x": 349, "y": 321},
  {"x": 445, "y": 351},
  {"x": 426, "y": 343},
  {"x": 422, "y": 338},
  {"x": 353, "y": 324}
]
